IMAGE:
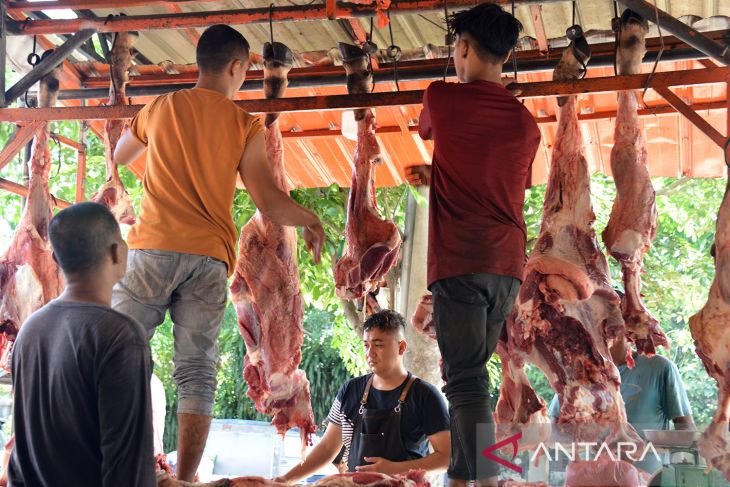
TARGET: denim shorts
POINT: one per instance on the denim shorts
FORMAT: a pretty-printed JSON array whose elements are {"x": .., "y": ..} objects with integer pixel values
[{"x": 194, "y": 289}]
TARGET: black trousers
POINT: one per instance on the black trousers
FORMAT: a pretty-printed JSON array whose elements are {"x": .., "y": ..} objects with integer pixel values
[{"x": 469, "y": 312}]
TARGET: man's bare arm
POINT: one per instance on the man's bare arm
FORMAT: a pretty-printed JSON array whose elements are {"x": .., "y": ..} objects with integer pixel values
[
  {"x": 128, "y": 149},
  {"x": 322, "y": 454},
  {"x": 684, "y": 423}
]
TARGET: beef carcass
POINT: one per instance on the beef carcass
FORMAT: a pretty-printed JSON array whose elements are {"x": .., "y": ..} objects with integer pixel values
[
  {"x": 29, "y": 277},
  {"x": 372, "y": 243},
  {"x": 265, "y": 289},
  {"x": 567, "y": 310},
  {"x": 711, "y": 335},
  {"x": 633, "y": 222},
  {"x": 112, "y": 193}
]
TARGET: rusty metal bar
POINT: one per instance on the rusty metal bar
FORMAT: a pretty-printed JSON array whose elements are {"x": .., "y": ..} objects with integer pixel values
[
  {"x": 17, "y": 141},
  {"x": 154, "y": 85},
  {"x": 47, "y": 65},
  {"x": 689, "y": 35},
  {"x": 20, "y": 5},
  {"x": 696, "y": 120},
  {"x": 344, "y": 10},
  {"x": 68, "y": 142},
  {"x": 21, "y": 190},
  {"x": 81, "y": 164},
  {"x": 336, "y": 102}
]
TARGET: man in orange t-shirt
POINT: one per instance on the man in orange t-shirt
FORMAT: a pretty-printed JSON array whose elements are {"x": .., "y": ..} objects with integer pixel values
[{"x": 183, "y": 247}]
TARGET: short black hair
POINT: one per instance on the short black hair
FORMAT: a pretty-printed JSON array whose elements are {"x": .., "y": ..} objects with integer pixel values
[
  {"x": 494, "y": 31},
  {"x": 219, "y": 45},
  {"x": 386, "y": 320},
  {"x": 81, "y": 235}
]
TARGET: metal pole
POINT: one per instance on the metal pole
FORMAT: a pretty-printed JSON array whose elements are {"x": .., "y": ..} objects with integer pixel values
[
  {"x": 48, "y": 64},
  {"x": 384, "y": 76},
  {"x": 681, "y": 30},
  {"x": 3, "y": 34}
]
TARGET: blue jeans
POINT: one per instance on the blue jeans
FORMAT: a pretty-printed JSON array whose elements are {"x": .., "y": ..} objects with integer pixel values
[{"x": 193, "y": 288}]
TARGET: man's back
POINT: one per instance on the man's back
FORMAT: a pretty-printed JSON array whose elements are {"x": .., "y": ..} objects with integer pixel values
[
  {"x": 195, "y": 140},
  {"x": 484, "y": 144},
  {"x": 82, "y": 409}
]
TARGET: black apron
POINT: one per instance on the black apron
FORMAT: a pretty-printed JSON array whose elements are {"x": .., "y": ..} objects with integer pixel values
[{"x": 377, "y": 431}]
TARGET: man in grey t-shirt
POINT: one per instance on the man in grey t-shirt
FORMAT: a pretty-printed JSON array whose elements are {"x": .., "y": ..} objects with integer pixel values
[{"x": 81, "y": 371}]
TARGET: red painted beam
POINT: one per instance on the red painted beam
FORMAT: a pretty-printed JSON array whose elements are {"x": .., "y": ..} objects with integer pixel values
[
  {"x": 336, "y": 102},
  {"x": 21, "y": 190},
  {"x": 20, "y": 6},
  {"x": 235, "y": 17},
  {"x": 696, "y": 120},
  {"x": 18, "y": 140}
]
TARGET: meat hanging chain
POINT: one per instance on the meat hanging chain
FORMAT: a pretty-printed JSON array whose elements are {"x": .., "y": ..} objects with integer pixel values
[
  {"x": 112, "y": 193},
  {"x": 29, "y": 276},
  {"x": 633, "y": 221},
  {"x": 372, "y": 243},
  {"x": 265, "y": 288}
]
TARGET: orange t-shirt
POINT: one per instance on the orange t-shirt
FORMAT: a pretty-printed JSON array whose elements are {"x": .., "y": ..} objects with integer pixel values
[{"x": 195, "y": 140}]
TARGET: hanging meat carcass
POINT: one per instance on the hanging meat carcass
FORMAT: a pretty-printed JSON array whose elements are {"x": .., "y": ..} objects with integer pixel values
[
  {"x": 29, "y": 277},
  {"x": 567, "y": 310},
  {"x": 372, "y": 243},
  {"x": 422, "y": 319},
  {"x": 633, "y": 222},
  {"x": 711, "y": 334},
  {"x": 112, "y": 193},
  {"x": 265, "y": 288}
]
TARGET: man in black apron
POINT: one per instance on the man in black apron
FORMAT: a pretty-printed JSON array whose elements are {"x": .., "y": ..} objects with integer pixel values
[{"x": 384, "y": 419}]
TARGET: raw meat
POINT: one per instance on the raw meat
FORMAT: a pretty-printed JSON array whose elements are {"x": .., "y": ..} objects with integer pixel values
[
  {"x": 422, "y": 319},
  {"x": 265, "y": 289},
  {"x": 633, "y": 222},
  {"x": 711, "y": 334},
  {"x": 567, "y": 310},
  {"x": 414, "y": 478},
  {"x": 112, "y": 193},
  {"x": 29, "y": 277},
  {"x": 372, "y": 244}
]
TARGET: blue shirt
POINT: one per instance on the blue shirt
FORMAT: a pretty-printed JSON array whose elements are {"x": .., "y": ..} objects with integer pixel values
[{"x": 653, "y": 393}]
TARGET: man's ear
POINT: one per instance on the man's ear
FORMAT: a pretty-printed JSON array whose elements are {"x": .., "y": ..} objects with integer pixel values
[
  {"x": 402, "y": 347},
  {"x": 115, "y": 253}
]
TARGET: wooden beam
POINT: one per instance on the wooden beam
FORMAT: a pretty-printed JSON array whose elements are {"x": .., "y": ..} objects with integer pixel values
[
  {"x": 344, "y": 10},
  {"x": 536, "y": 13},
  {"x": 696, "y": 120},
  {"x": 21, "y": 190},
  {"x": 17, "y": 141},
  {"x": 68, "y": 142},
  {"x": 336, "y": 102}
]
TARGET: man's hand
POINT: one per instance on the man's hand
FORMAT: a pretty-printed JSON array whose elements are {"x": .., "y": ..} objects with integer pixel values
[
  {"x": 314, "y": 239},
  {"x": 281, "y": 479},
  {"x": 419, "y": 175},
  {"x": 380, "y": 465},
  {"x": 511, "y": 85}
]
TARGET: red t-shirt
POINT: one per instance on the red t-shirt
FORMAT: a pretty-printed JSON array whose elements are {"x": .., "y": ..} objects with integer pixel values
[{"x": 484, "y": 143}]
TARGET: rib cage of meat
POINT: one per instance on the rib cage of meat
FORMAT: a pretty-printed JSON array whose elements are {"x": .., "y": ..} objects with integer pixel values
[
  {"x": 711, "y": 335},
  {"x": 566, "y": 310},
  {"x": 112, "y": 193},
  {"x": 265, "y": 290},
  {"x": 633, "y": 222},
  {"x": 29, "y": 277},
  {"x": 372, "y": 243}
]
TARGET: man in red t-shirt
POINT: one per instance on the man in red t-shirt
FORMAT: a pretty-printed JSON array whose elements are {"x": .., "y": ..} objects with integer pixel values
[{"x": 484, "y": 144}]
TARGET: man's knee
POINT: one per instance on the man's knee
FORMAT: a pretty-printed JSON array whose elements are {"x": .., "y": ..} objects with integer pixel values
[{"x": 196, "y": 386}]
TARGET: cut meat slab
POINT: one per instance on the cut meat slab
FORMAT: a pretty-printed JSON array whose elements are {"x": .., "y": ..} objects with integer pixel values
[
  {"x": 414, "y": 478},
  {"x": 633, "y": 222},
  {"x": 112, "y": 194},
  {"x": 711, "y": 334},
  {"x": 567, "y": 310},
  {"x": 29, "y": 277},
  {"x": 372, "y": 243},
  {"x": 265, "y": 289}
]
